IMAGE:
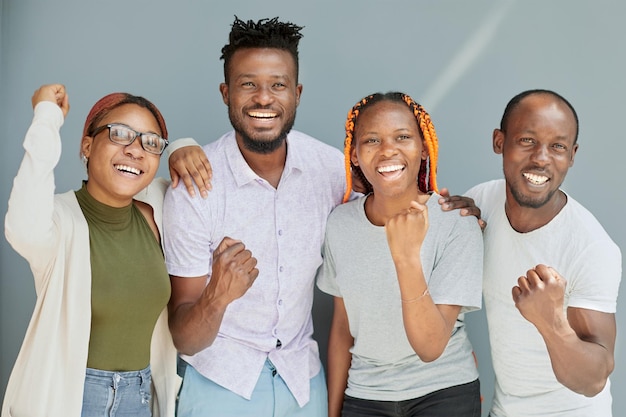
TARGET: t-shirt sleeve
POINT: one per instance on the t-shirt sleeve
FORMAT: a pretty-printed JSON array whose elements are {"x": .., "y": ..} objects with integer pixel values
[
  {"x": 598, "y": 272},
  {"x": 456, "y": 278},
  {"x": 326, "y": 274}
]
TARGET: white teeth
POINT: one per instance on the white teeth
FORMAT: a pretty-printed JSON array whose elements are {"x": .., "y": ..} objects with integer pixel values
[
  {"x": 536, "y": 179},
  {"x": 261, "y": 115},
  {"x": 390, "y": 168},
  {"x": 126, "y": 168}
]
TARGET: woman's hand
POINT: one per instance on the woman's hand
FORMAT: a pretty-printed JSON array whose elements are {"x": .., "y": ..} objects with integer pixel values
[
  {"x": 54, "y": 93},
  {"x": 191, "y": 165}
]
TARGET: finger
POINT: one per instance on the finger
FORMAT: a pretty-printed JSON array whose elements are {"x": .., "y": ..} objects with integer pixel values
[
  {"x": 173, "y": 176},
  {"x": 207, "y": 173},
  {"x": 516, "y": 292},
  {"x": 523, "y": 284},
  {"x": 482, "y": 224},
  {"x": 65, "y": 103},
  {"x": 226, "y": 243},
  {"x": 199, "y": 177},
  {"x": 470, "y": 211},
  {"x": 534, "y": 280},
  {"x": 417, "y": 206},
  {"x": 188, "y": 182},
  {"x": 444, "y": 193},
  {"x": 543, "y": 271},
  {"x": 556, "y": 275}
]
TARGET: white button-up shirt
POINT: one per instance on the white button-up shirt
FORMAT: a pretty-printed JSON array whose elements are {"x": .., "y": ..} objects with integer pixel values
[{"x": 284, "y": 229}]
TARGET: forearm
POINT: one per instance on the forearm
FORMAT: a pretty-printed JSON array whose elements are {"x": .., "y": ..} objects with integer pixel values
[
  {"x": 427, "y": 328},
  {"x": 194, "y": 326},
  {"x": 29, "y": 225},
  {"x": 339, "y": 358},
  {"x": 582, "y": 366}
]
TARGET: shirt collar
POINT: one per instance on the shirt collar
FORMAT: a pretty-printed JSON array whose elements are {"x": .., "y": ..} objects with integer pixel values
[{"x": 242, "y": 172}]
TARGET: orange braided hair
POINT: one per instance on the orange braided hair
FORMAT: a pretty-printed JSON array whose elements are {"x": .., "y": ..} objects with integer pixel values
[{"x": 427, "y": 177}]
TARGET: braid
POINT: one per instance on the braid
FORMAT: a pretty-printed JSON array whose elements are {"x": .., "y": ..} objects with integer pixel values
[
  {"x": 432, "y": 145},
  {"x": 427, "y": 177},
  {"x": 347, "y": 148}
]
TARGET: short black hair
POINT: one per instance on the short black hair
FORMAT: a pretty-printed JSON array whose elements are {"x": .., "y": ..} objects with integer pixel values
[
  {"x": 515, "y": 101},
  {"x": 265, "y": 33}
]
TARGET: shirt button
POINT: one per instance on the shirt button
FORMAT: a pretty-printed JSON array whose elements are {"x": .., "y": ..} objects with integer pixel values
[
  {"x": 280, "y": 232},
  {"x": 280, "y": 302},
  {"x": 280, "y": 269}
]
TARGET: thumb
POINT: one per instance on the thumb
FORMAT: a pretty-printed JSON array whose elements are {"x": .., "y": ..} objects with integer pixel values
[
  {"x": 226, "y": 243},
  {"x": 417, "y": 206}
]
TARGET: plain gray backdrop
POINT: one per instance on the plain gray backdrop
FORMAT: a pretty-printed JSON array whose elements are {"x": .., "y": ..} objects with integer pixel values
[{"x": 463, "y": 60}]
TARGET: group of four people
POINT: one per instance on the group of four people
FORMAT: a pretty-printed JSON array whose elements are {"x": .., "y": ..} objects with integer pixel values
[{"x": 243, "y": 261}]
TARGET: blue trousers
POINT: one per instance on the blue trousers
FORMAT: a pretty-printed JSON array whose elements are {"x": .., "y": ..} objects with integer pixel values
[{"x": 201, "y": 397}]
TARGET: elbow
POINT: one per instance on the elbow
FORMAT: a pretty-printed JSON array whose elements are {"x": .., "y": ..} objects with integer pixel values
[
  {"x": 427, "y": 357},
  {"x": 593, "y": 385},
  {"x": 188, "y": 349},
  {"x": 591, "y": 389},
  {"x": 429, "y": 354}
]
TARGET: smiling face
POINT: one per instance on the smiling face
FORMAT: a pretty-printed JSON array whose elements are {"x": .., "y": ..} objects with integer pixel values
[
  {"x": 388, "y": 148},
  {"x": 538, "y": 148},
  {"x": 116, "y": 172},
  {"x": 262, "y": 95}
]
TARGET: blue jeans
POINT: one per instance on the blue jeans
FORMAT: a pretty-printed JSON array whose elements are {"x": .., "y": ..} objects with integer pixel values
[
  {"x": 117, "y": 394},
  {"x": 201, "y": 397},
  {"x": 458, "y": 401}
]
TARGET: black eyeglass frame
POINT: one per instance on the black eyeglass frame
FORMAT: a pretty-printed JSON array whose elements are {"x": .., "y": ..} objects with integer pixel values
[{"x": 140, "y": 134}]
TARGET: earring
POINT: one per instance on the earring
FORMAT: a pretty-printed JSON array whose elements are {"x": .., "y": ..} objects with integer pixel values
[{"x": 84, "y": 159}]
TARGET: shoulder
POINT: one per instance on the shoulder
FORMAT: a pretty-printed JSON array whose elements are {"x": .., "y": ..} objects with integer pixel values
[
  {"x": 488, "y": 189},
  {"x": 585, "y": 223},
  {"x": 450, "y": 222},
  {"x": 488, "y": 196},
  {"x": 219, "y": 143},
  {"x": 314, "y": 148},
  {"x": 345, "y": 213}
]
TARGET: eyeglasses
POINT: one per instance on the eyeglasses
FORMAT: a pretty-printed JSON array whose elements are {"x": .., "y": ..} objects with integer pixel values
[{"x": 124, "y": 135}]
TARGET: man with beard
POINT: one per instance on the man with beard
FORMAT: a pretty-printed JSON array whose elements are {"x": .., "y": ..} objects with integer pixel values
[
  {"x": 241, "y": 315},
  {"x": 551, "y": 272}
]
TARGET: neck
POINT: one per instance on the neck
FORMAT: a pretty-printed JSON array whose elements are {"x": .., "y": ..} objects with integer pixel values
[
  {"x": 526, "y": 219},
  {"x": 268, "y": 166},
  {"x": 379, "y": 208}
]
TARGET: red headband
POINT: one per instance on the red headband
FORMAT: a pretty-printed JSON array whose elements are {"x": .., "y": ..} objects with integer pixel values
[{"x": 113, "y": 100}]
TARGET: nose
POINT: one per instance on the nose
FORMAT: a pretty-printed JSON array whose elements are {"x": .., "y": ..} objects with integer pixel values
[
  {"x": 540, "y": 154},
  {"x": 263, "y": 96},
  {"x": 134, "y": 150},
  {"x": 388, "y": 147}
]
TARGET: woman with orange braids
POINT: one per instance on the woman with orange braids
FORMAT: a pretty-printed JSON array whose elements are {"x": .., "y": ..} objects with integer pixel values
[
  {"x": 402, "y": 272},
  {"x": 98, "y": 336}
]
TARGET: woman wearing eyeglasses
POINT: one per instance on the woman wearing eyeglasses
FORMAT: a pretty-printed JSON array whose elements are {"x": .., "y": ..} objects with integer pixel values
[{"x": 98, "y": 336}]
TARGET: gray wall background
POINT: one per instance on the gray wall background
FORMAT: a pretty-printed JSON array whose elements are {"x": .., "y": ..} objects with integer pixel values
[{"x": 463, "y": 60}]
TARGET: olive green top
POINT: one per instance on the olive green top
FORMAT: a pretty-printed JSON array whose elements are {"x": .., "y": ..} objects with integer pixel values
[{"x": 129, "y": 285}]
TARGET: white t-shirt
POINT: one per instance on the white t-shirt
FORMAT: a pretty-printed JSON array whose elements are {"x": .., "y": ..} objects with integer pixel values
[{"x": 575, "y": 244}]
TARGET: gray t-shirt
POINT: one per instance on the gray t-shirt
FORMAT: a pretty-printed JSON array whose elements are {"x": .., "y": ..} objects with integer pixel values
[{"x": 358, "y": 267}]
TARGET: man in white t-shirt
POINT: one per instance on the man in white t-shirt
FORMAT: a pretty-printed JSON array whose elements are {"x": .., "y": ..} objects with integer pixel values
[{"x": 551, "y": 273}]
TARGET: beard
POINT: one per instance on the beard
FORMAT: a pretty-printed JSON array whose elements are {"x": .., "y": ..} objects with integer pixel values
[
  {"x": 256, "y": 144},
  {"x": 530, "y": 202}
]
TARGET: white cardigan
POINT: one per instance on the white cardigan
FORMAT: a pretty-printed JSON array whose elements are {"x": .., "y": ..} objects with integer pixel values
[{"x": 51, "y": 233}]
